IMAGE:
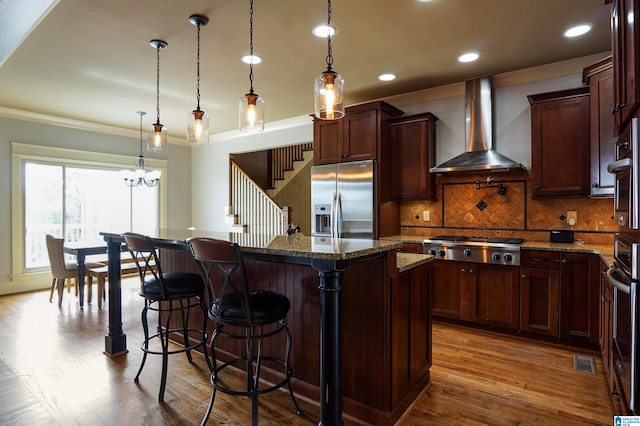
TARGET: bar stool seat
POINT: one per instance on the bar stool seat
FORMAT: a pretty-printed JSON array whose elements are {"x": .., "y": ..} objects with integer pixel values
[{"x": 243, "y": 314}]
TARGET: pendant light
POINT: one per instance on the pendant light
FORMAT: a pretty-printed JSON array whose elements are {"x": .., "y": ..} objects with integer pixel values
[
  {"x": 157, "y": 139},
  {"x": 251, "y": 106},
  {"x": 329, "y": 86},
  {"x": 198, "y": 120},
  {"x": 140, "y": 176}
]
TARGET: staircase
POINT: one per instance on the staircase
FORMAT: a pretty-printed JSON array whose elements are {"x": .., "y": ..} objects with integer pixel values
[{"x": 286, "y": 163}]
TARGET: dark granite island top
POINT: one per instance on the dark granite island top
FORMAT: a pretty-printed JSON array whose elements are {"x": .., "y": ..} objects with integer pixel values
[{"x": 342, "y": 308}]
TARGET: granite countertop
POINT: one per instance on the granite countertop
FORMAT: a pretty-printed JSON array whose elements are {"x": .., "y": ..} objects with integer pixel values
[{"x": 406, "y": 261}]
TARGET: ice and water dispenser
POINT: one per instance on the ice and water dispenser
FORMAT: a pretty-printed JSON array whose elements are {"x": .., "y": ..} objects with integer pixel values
[{"x": 322, "y": 219}]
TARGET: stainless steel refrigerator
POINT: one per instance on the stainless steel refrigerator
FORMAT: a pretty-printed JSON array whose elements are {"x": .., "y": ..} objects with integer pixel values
[{"x": 342, "y": 200}]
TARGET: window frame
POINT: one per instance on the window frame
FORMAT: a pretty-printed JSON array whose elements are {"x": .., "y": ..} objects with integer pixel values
[{"x": 22, "y": 153}]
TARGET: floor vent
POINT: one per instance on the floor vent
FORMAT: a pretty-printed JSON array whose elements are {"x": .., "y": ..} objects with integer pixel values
[{"x": 584, "y": 363}]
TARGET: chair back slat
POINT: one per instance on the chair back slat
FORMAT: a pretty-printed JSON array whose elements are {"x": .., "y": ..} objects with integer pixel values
[{"x": 222, "y": 268}]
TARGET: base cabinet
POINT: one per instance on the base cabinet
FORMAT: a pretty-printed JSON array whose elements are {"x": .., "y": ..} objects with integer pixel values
[
  {"x": 478, "y": 293},
  {"x": 411, "y": 331}
]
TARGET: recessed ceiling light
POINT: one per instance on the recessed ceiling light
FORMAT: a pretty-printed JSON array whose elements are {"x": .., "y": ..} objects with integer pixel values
[
  {"x": 323, "y": 31},
  {"x": 247, "y": 59},
  {"x": 387, "y": 77},
  {"x": 578, "y": 30},
  {"x": 468, "y": 57}
]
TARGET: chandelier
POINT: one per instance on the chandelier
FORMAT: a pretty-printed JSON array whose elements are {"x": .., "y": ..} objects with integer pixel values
[{"x": 140, "y": 176}]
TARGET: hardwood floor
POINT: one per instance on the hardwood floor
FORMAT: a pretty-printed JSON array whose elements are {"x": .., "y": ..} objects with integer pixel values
[{"x": 53, "y": 372}]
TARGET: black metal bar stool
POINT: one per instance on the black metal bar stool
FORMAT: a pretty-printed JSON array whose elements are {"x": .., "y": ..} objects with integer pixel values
[
  {"x": 259, "y": 314},
  {"x": 166, "y": 293}
]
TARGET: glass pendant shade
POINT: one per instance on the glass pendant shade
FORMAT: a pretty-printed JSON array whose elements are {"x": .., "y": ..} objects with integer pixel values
[
  {"x": 251, "y": 113},
  {"x": 329, "y": 96},
  {"x": 158, "y": 138},
  {"x": 198, "y": 126}
]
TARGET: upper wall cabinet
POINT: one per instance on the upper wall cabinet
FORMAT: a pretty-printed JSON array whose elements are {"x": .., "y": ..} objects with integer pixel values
[
  {"x": 413, "y": 153},
  {"x": 560, "y": 143},
  {"x": 599, "y": 77},
  {"x": 625, "y": 33},
  {"x": 362, "y": 134}
]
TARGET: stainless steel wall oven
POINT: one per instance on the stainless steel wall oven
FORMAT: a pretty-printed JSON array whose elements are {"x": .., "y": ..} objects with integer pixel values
[
  {"x": 627, "y": 183},
  {"x": 624, "y": 277}
]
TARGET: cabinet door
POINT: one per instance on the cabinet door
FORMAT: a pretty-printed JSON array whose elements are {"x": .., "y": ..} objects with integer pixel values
[
  {"x": 360, "y": 136},
  {"x": 579, "y": 298},
  {"x": 602, "y": 139},
  {"x": 327, "y": 141},
  {"x": 539, "y": 291},
  {"x": 449, "y": 289},
  {"x": 494, "y": 295},
  {"x": 412, "y": 156},
  {"x": 560, "y": 131},
  {"x": 626, "y": 48}
]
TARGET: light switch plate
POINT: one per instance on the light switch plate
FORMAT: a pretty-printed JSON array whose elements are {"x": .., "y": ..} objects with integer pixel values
[{"x": 426, "y": 216}]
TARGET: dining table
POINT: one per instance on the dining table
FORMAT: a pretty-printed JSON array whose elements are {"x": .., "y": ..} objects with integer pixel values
[
  {"x": 329, "y": 257},
  {"x": 82, "y": 249}
]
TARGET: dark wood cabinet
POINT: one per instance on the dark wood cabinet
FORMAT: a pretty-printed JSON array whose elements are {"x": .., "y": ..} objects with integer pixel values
[
  {"x": 410, "y": 331},
  {"x": 599, "y": 77},
  {"x": 411, "y": 248},
  {"x": 479, "y": 293},
  {"x": 625, "y": 33},
  {"x": 362, "y": 134},
  {"x": 539, "y": 292},
  {"x": 494, "y": 295},
  {"x": 560, "y": 131},
  {"x": 579, "y": 298},
  {"x": 560, "y": 294},
  {"x": 413, "y": 153}
]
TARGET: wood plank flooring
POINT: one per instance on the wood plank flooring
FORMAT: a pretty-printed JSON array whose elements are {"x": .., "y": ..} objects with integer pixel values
[{"x": 53, "y": 372}]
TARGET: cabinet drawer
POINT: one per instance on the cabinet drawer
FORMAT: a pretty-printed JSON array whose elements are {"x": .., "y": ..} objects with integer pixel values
[{"x": 539, "y": 259}]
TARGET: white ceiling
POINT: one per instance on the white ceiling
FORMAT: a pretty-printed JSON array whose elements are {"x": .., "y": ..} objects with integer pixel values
[{"x": 90, "y": 60}]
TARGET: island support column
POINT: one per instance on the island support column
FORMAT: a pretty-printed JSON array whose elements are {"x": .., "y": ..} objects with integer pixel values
[
  {"x": 115, "y": 343},
  {"x": 330, "y": 383}
]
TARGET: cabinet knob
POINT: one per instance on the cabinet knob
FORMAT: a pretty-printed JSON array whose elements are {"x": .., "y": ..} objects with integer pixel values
[
  {"x": 564, "y": 260},
  {"x": 471, "y": 271},
  {"x": 464, "y": 270},
  {"x": 536, "y": 187},
  {"x": 603, "y": 299},
  {"x": 523, "y": 276},
  {"x": 595, "y": 185}
]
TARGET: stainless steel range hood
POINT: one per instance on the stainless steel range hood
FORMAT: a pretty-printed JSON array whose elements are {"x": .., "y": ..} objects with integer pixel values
[{"x": 480, "y": 155}]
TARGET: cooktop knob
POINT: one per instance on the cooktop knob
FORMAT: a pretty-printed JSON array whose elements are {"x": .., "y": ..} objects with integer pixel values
[
  {"x": 508, "y": 258},
  {"x": 432, "y": 252},
  {"x": 441, "y": 253},
  {"x": 495, "y": 256},
  {"x": 467, "y": 252}
]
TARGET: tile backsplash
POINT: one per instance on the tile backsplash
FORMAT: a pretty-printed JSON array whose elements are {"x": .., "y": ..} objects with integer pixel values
[{"x": 503, "y": 205}]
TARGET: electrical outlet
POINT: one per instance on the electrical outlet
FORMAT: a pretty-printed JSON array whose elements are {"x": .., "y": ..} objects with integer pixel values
[
  {"x": 572, "y": 218},
  {"x": 426, "y": 216}
]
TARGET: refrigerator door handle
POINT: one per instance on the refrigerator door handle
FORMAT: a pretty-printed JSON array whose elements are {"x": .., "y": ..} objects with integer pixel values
[
  {"x": 338, "y": 214},
  {"x": 332, "y": 217}
]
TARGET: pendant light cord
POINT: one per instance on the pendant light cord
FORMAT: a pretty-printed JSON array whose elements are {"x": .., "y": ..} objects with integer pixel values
[
  {"x": 329, "y": 54},
  {"x": 198, "y": 70},
  {"x": 251, "y": 47},
  {"x": 158, "y": 84}
]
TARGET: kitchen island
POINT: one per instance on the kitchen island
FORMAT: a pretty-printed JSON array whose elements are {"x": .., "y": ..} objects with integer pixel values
[{"x": 361, "y": 326}]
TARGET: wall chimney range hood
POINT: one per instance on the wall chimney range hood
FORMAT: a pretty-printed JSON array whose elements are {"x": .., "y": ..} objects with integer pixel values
[{"x": 480, "y": 155}]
